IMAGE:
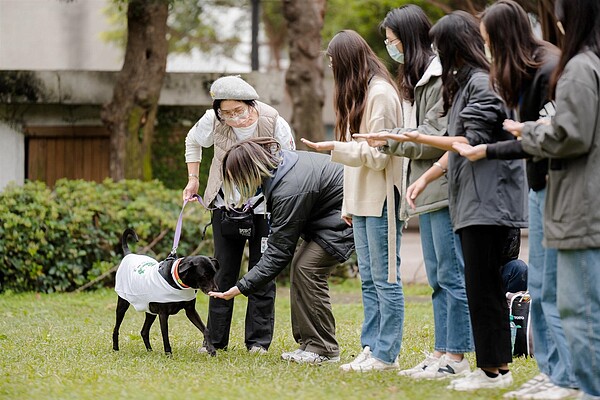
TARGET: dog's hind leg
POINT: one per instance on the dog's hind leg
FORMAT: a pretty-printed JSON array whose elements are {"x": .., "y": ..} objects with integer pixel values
[
  {"x": 194, "y": 317},
  {"x": 122, "y": 306},
  {"x": 164, "y": 330},
  {"x": 150, "y": 318}
]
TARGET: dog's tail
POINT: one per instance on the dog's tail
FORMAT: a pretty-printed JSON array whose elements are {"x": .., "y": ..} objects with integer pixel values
[{"x": 128, "y": 232}]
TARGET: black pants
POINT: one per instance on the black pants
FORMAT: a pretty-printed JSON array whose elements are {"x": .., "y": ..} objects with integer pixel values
[
  {"x": 482, "y": 251},
  {"x": 260, "y": 313}
]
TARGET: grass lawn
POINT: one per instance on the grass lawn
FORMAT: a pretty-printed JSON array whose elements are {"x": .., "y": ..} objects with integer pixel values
[{"x": 59, "y": 346}]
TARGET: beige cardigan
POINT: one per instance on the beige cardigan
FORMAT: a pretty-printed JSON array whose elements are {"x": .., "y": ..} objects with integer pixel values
[{"x": 369, "y": 175}]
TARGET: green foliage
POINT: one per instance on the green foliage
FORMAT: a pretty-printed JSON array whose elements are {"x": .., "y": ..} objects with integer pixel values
[
  {"x": 364, "y": 16},
  {"x": 57, "y": 240},
  {"x": 168, "y": 147}
]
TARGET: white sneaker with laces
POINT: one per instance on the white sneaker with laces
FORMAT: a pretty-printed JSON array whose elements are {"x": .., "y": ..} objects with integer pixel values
[
  {"x": 257, "y": 350},
  {"x": 287, "y": 356},
  {"x": 373, "y": 364},
  {"x": 446, "y": 368},
  {"x": 362, "y": 356},
  {"x": 550, "y": 391},
  {"x": 420, "y": 367},
  {"x": 308, "y": 357},
  {"x": 528, "y": 387},
  {"x": 479, "y": 380}
]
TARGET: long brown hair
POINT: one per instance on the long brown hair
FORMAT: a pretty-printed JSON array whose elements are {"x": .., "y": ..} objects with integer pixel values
[
  {"x": 354, "y": 64},
  {"x": 516, "y": 51}
]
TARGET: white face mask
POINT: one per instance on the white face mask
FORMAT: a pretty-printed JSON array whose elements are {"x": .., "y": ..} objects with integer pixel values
[
  {"x": 395, "y": 53},
  {"x": 488, "y": 53}
]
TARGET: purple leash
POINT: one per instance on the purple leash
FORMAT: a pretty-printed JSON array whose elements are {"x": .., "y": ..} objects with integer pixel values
[{"x": 179, "y": 221}]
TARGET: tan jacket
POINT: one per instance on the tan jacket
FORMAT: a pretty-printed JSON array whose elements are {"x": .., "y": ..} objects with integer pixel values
[
  {"x": 369, "y": 175},
  {"x": 224, "y": 138}
]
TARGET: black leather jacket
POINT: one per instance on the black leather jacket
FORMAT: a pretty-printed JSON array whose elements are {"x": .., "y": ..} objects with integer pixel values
[{"x": 304, "y": 198}]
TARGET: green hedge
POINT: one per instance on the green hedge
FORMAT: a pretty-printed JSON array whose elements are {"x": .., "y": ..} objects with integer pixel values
[{"x": 58, "y": 240}]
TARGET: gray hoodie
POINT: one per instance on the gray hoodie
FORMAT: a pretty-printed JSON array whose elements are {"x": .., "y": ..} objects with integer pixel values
[
  {"x": 572, "y": 213},
  {"x": 429, "y": 106}
]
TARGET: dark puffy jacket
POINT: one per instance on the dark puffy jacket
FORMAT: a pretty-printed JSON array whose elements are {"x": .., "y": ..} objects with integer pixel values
[
  {"x": 304, "y": 198},
  {"x": 483, "y": 192}
]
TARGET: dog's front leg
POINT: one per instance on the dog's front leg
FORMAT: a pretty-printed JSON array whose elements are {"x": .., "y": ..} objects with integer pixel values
[
  {"x": 163, "y": 317},
  {"x": 194, "y": 317},
  {"x": 150, "y": 318}
]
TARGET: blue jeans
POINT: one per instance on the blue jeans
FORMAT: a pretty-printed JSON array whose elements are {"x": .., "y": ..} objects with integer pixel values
[
  {"x": 383, "y": 302},
  {"x": 549, "y": 343},
  {"x": 514, "y": 276},
  {"x": 579, "y": 307},
  {"x": 446, "y": 275}
]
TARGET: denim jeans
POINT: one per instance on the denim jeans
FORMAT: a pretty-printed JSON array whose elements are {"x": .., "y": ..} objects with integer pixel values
[
  {"x": 514, "y": 276},
  {"x": 549, "y": 343},
  {"x": 383, "y": 302},
  {"x": 446, "y": 275},
  {"x": 579, "y": 306}
]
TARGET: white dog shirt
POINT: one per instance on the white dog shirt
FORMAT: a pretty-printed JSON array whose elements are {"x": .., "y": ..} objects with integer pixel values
[{"x": 139, "y": 282}]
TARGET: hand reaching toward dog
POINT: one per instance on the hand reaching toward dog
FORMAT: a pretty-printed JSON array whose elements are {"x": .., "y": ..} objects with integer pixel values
[{"x": 228, "y": 295}]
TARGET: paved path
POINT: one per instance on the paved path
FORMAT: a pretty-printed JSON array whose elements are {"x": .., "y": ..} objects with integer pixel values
[{"x": 412, "y": 268}]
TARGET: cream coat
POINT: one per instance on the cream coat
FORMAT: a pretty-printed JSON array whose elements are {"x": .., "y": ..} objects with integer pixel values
[{"x": 369, "y": 175}]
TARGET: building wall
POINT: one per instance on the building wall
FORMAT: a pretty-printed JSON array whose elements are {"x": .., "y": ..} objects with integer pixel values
[{"x": 12, "y": 156}]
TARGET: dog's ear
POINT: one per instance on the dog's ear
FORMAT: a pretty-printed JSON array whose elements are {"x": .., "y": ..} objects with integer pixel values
[{"x": 215, "y": 262}]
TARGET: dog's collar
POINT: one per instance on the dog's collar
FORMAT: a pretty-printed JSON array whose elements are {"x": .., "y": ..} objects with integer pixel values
[{"x": 175, "y": 275}]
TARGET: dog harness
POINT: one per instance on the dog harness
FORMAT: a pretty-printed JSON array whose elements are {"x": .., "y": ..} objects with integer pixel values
[{"x": 139, "y": 282}]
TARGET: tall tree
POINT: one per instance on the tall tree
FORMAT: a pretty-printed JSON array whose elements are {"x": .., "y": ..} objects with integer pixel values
[
  {"x": 131, "y": 113},
  {"x": 304, "y": 77}
]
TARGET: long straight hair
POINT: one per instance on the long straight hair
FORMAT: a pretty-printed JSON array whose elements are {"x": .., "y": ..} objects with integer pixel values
[
  {"x": 354, "y": 64},
  {"x": 517, "y": 53},
  {"x": 580, "y": 20},
  {"x": 411, "y": 26},
  {"x": 246, "y": 164},
  {"x": 459, "y": 44}
]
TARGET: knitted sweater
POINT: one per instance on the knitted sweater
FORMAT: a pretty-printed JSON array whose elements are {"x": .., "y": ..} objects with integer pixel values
[{"x": 369, "y": 175}]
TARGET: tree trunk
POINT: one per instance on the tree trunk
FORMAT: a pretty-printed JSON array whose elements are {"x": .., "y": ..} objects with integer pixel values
[
  {"x": 131, "y": 114},
  {"x": 304, "y": 77}
]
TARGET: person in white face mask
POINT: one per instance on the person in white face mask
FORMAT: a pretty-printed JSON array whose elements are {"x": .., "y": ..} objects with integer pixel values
[{"x": 236, "y": 115}]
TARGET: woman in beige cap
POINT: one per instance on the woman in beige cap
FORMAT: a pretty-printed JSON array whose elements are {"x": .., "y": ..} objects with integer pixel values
[{"x": 236, "y": 115}]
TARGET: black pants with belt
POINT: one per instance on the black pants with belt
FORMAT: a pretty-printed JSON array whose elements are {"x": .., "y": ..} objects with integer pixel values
[
  {"x": 482, "y": 251},
  {"x": 260, "y": 312}
]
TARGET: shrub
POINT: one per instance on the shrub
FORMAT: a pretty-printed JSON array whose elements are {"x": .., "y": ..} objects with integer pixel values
[{"x": 57, "y": 240}]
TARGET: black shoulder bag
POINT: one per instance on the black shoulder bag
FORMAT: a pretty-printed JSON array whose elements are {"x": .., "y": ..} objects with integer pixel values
[{"x": 239, "y": 223}]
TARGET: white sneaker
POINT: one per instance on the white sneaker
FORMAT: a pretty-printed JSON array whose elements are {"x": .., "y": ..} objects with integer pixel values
[
  {"x": 362, "y": 356},
  {"x": 257, "y": 350},
  {"x": 308, "y": 357},
  {"x": 479, "y": 380},
  {"x": 420, "y": 367},
  {"x": 287, "y": 356},
  {"x": 550, "y": 391},
  {"x": 373, "y": 364},
  {"x": 446, "y": 368},
  {"x": 528, "y": 387},
  {"x": 203, "y": 350}
]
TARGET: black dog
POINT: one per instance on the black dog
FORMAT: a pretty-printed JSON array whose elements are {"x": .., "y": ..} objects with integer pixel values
[{"x": 162, "y": 289}]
